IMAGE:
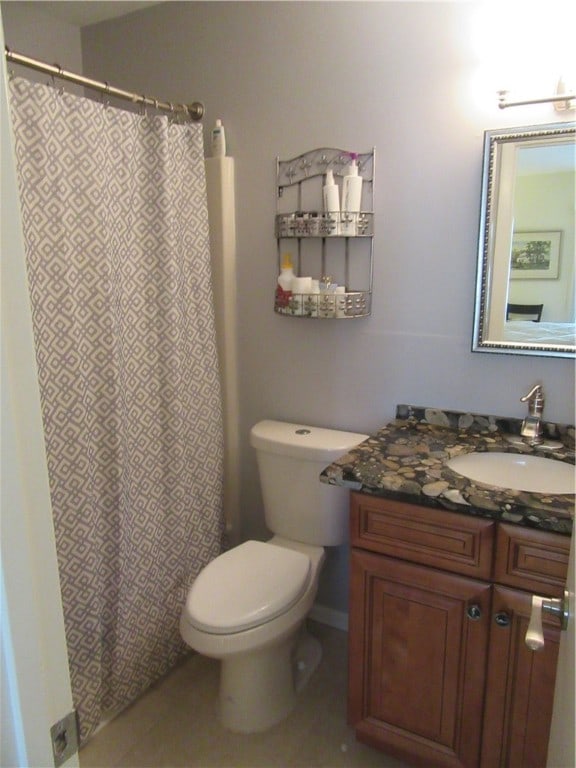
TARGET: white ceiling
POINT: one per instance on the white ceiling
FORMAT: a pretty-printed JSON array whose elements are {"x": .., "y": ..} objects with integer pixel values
[{"x": 84, "y": 12}]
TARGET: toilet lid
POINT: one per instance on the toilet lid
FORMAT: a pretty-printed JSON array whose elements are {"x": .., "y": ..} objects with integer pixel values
[{"x": 247, "y": 586}]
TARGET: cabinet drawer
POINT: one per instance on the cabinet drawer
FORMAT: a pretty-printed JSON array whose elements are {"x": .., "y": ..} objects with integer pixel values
[
  {"x": 536, "y": 561},
  {"x": 434, "y": 537}
]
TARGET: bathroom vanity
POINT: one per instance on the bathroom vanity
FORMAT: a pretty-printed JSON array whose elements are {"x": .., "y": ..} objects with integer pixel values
[{"x": 442, "y": 575}]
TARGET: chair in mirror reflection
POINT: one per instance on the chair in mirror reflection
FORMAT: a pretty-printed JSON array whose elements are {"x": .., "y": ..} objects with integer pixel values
[{"x": 524, "y": 312}]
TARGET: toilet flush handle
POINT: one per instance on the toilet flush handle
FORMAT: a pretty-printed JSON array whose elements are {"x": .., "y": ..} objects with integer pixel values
[{"x": 557, "y": 607}]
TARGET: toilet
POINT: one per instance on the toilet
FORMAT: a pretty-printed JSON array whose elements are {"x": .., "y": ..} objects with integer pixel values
[{"x": 248, "y": 607}]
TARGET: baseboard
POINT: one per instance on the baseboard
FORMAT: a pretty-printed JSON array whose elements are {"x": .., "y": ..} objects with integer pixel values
[{"x": 329, "y": 616}]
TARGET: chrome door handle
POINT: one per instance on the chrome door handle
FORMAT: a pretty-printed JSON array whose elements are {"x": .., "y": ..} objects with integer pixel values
[{"x": 558, "y": 607}]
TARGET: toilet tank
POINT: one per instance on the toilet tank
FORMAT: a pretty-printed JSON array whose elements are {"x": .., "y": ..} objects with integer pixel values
[{"x": 290, "y": 459}]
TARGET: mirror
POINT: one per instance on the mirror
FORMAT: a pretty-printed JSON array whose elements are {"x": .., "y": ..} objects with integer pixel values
[{"x": 525, "y": 298}]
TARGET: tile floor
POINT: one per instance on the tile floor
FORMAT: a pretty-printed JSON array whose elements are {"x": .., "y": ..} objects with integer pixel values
[{"x": 175, "y": 724}]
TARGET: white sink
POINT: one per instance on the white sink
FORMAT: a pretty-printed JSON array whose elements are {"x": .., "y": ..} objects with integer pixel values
[{"x": 511, "y": 470}]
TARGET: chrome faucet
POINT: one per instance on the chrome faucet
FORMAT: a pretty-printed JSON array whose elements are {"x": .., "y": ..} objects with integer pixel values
[{"x": 532, "y": 427}]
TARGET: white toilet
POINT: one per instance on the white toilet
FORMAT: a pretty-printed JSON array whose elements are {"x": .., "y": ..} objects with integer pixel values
[{"x": 247, "y": 607}]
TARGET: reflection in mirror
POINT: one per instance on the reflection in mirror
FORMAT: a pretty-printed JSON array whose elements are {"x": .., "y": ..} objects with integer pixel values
[{"x": 525, "y": 298}]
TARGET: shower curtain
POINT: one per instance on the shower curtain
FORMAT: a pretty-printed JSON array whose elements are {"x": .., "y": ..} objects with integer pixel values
[{"x": 117, "y": 248}]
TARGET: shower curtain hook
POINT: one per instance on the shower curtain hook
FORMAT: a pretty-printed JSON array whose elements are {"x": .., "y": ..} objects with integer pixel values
[
  {"x": 106, "y": 95},
  {"x": 52, "y": 78},
  {"x": 59, "y": 74}
]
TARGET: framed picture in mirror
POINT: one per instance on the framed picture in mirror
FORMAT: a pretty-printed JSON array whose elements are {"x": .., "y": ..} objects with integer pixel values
[{"x": 535, "y": 255}]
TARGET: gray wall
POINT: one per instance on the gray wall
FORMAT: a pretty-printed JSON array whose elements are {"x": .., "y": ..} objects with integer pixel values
[
  {"x": 287, "y": 77},
  {"x": 30, "y": 30}
]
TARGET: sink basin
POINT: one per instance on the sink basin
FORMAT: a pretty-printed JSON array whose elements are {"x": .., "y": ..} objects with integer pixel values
[{"x": 511, "y": 470}]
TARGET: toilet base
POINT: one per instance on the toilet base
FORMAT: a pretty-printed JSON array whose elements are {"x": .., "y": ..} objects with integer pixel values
[
  {"x": 307, "y": 656},
  {"x": 258, "y": 690}
]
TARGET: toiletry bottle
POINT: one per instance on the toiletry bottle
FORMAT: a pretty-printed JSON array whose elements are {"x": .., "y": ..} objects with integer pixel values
[
  {"x": 218, "y": 140},
  {"x": 351, "y": 198},
  {"x": 352, "y": 187},
  {"x": 284, "y": 287},
  {"x": 331, "y": 194}
]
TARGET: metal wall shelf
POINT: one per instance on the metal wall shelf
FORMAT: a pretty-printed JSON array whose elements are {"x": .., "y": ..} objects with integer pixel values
[
  {"x": 301, "y": 222},
  {"x": 314, "y": 224},
  {"x": 326, "y": 305}
]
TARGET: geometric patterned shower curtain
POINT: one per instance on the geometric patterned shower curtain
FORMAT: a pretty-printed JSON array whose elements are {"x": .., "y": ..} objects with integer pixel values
[{"x": 117, "y": 247}]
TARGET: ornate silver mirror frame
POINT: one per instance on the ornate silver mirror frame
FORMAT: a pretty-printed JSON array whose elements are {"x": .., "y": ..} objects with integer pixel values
[{"x": 526, "y": 253}]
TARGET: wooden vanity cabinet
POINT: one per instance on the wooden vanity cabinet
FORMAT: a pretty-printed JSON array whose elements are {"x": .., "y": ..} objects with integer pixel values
[{"x": 439, "y": 674}]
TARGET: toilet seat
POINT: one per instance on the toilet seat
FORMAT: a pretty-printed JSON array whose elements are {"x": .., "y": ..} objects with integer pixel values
[{"x": 247, "y": 586}]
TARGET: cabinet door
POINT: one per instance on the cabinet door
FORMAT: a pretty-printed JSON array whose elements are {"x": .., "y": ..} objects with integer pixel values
[
  {"x": 417, "y": 660},
  {"x": 520, "y": 687}
]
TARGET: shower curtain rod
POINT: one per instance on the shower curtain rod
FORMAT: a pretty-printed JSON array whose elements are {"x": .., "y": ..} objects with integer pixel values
[{"x": 195, "y": 111}]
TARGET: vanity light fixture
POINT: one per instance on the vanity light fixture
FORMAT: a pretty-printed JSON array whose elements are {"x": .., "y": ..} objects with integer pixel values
[
  {"x": 565, "y": 103},
  {"x": 564, "y": 99}
]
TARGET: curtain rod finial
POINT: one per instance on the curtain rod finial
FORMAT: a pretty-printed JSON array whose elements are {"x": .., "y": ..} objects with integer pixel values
[{"x": 196, "y": 110}]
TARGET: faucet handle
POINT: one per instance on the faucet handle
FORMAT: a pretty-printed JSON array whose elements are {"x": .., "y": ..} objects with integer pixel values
[{"x": 536, "y": 395}]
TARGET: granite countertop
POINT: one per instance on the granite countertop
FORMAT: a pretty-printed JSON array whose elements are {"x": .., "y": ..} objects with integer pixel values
[{"x": 406, "y": 461}]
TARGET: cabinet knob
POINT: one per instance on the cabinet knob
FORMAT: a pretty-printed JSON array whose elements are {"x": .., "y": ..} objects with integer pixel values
[
  {"x": 556, "y": 607},
  {"x": 474, "y": 612},
  {"x": 502, "y": 619}
]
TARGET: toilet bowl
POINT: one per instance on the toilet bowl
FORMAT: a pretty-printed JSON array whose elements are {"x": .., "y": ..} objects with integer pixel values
[
  {"x": 248, "y": 607},
  {"x": 266, "y": 655}
]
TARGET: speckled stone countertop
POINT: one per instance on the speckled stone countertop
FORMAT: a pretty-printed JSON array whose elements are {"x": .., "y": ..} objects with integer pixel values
[{"x": 406, "y": 461}]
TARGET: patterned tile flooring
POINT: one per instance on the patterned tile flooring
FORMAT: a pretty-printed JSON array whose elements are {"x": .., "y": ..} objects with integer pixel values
[{"x": 175, "y": 724}]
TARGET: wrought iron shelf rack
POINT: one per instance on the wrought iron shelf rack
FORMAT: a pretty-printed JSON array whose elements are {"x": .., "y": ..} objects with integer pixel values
[{"x": 335, "y": 247}]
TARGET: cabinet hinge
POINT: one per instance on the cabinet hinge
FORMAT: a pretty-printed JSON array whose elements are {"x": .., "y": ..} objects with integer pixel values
[{"x": 64, "y": 735}]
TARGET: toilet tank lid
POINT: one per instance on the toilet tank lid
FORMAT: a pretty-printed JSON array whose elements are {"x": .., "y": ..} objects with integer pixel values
[{"x": 313, "y": 443}]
